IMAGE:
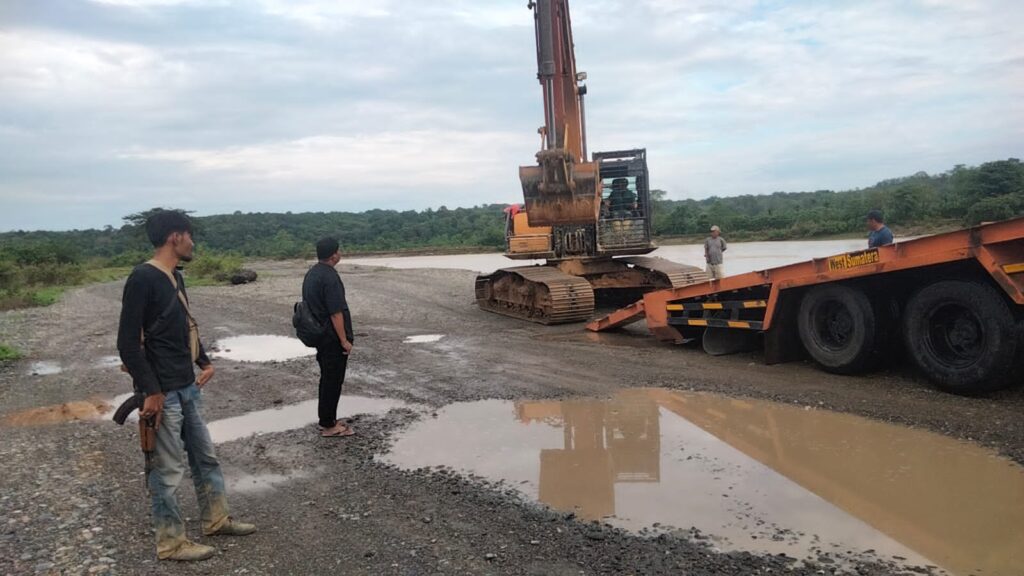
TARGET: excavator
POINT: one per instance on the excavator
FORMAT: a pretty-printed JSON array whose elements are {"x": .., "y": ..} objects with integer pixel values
[{"x": 589, "y": 219}]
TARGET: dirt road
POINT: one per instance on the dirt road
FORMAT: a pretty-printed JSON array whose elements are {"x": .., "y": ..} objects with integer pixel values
[{"x": 73, "y": 500}]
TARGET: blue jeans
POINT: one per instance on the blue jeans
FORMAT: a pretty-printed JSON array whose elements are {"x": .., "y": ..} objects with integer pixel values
[{"x": 182, "y": 428}]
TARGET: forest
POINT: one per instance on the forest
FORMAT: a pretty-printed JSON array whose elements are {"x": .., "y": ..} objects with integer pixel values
[{"x": 958, "y": 197}]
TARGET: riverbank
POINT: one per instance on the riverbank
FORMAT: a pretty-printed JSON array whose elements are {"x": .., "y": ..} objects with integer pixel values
[{"x": 782, "y": 236}]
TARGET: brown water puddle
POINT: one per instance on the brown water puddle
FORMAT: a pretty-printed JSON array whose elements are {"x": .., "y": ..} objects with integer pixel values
[
  {"x": 292, "y": 416},
  {"x": 753, "y": 475},
  {"x": 67, "y": 412}
]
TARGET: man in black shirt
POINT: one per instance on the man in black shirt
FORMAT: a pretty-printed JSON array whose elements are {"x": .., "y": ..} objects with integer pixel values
[
  {"x": 324, "y": 294},
  {"x": 159, "y": 343}
]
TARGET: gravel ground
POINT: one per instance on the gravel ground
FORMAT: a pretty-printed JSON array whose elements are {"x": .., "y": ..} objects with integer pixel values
[{"x": 72, "y": 499}]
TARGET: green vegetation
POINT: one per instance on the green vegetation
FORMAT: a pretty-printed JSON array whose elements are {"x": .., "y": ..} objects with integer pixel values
[
  {"x": 8, "y": 354},
  {"x": 36, "y": 266},
  {"x": 959, "y": 197},
  {"x": 214, "y": 269}
]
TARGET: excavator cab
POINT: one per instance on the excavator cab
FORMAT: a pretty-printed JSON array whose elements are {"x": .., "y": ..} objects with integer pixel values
[{"x": 624, "y": 223}]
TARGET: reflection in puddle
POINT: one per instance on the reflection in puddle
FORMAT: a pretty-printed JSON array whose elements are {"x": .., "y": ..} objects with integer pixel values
[
  {"x": 423, "y": 338},
  {"x": 67, "y": 412},
  {"x": 752, "y": 475},
  {"x": 293, "y": 416},
  {"x": 261, "y": 348},
  {"x": 44, "y": 368}
]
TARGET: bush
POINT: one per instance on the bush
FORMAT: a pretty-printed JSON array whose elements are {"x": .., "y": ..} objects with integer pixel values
[
  {"x": 130, "y": 258},
  {"x": 8, "y": 353},
  {"x": 46, "y": 296},
  {"x": 218, "y": 267},
  {"x": 10, "y": 276},
  {"x": 997, "y": 208},
  {"x": 52, "y": 274}
]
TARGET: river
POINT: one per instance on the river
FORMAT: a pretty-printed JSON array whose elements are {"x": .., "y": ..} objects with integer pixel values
[{"x": 739, "y": 258}]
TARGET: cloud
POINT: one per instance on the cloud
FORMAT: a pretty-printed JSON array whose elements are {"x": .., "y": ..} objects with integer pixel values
[
  {"x": 133, "y": 103},
  {"x": 326, "y": 15},
  {"x": 61, "y": 70},
  {"x": 432, "y": 159}
]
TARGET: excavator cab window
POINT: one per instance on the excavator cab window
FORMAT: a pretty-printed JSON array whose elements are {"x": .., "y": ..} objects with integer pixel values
[
  {"x": 624, "y": 223},
  {"x": 620, "y": 198}
]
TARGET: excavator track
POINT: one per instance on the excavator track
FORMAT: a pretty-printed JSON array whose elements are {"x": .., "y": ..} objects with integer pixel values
[
  {"x": 674, "y": 274},
  {"x": 536, "y": 293}
]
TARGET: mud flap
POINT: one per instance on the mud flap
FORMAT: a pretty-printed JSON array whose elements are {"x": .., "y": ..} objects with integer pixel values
[
  {"x": 781, "y": 341},
  {"x": 724, "y": 341}
]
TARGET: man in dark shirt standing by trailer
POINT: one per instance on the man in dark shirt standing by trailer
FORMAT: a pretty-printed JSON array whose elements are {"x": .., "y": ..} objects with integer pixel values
[
  {"x": 324, "y": 294},
  {"x": 159, "y": 344},
  {"x": 879, "y": 234}
]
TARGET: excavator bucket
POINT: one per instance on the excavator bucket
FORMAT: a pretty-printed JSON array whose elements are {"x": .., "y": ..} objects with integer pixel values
[{"x": 560, "y": 191}]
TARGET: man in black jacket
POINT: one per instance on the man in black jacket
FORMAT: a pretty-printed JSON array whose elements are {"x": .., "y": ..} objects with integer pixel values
[
  {"x": 158, "y": 341},
  {"x": 324, "y": 294}
]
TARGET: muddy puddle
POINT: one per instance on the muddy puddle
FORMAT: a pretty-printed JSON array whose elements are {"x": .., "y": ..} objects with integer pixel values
[
  {"x": 44, "y": 368},
  {"x": 749, "y": 475},
  {"x": 108, "y": 362},
  {"x": 256, "y": 483},
  {"x": 260, "y": 348},
  {"x": 59, "y": 413},
  {"x": 423, "y": 338},
  {"x": 293, "y": 416}
]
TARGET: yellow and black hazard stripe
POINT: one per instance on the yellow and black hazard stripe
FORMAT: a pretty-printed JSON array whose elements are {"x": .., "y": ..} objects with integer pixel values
[
  {"x": 717, "y": 323},
  {"x": 727, "y": 305}
]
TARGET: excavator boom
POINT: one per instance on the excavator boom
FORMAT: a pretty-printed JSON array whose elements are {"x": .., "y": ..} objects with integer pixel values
[{"x": 563, "y": 188}]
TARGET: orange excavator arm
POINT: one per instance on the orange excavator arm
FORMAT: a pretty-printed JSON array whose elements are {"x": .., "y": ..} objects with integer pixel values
[
  {"x": 563, "y": 188},
  {"x": 556, "y": 71}
]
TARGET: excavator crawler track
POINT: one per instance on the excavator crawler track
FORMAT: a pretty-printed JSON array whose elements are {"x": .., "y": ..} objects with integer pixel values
[
  {"x": 675, "y": 275},
  {"x": 537, "y": 293}
]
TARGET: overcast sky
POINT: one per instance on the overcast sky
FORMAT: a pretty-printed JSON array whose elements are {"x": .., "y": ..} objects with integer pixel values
[{"x": 108, "y": 107}]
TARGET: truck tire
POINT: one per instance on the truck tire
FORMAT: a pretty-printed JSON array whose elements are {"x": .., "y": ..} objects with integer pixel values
[
  {"x": 839, "y": 327},
  {"x": 962, "y": 336}
]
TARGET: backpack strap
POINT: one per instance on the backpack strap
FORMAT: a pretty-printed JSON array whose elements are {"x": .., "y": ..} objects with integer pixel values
[
  {"x": 172, "y": 276},
  {"x": 193, "y": 326}
]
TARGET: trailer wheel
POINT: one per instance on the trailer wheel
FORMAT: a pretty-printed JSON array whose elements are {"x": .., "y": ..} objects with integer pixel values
[
  {"x": 839, "y": 328},
  {"x": 962, "y": 335}
]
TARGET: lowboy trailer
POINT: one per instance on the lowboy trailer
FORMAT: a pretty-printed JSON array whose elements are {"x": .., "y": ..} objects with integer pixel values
[{"x": 953, "y": 302}]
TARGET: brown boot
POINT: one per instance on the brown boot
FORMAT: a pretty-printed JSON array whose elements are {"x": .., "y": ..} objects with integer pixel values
[
  {"x": 234, "y": 528},
  {"x": 190, "y": 552}
]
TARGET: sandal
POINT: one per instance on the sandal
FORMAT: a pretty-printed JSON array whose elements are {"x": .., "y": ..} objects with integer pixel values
[{"x": 337, "y": 431}]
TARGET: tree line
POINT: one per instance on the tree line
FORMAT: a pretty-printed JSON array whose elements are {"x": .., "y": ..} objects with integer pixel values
[{"x": 961, "y": 196}]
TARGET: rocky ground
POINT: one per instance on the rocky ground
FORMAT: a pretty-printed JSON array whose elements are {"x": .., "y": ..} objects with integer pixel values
[{"x": 72, "y": 499}]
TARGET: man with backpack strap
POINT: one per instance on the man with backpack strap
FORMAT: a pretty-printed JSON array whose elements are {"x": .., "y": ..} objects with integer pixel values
[
  {"x": 158, "y": 340},
  {"x": 323, "y": 297}
]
